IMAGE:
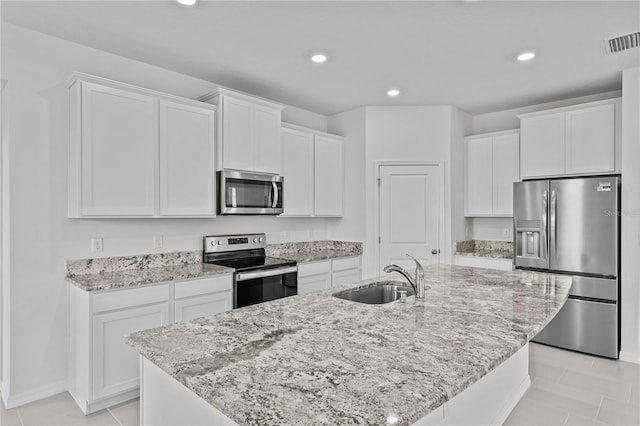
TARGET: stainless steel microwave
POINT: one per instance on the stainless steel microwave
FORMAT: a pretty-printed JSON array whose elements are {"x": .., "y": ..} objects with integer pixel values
[{"x": 241, "y": 192}]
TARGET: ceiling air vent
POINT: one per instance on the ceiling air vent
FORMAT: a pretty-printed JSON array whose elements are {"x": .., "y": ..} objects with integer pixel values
[{"x": 618, "y": 44}]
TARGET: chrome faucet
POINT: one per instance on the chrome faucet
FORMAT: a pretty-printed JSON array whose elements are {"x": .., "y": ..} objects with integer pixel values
[{"x": 417, "y": 283}]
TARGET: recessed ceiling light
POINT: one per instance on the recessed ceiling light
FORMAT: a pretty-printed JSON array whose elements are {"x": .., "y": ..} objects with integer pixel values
[
  {"x": 187, "y": 2},
  {"x": 393, "y": 92},
  {"x": 319, "y": 58},
  {"x": 526, "y": 56}
]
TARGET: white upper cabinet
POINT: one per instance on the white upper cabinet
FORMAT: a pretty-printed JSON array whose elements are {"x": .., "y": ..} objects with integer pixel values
[
  {"x": 297, "y": 170},
  {"x": 329, "y": 176},
  {"x": 590, "y": 140},
  {"x": 117, "y": 150},
  {"x": 249, "y": 135},
  {"x": 491, "y": 168},
  {"x": 187, "y": 168},
  {"x": 581, "y": 139},
  {"x": 135, "y": 152},
  {"x": 313, "y": 170}
]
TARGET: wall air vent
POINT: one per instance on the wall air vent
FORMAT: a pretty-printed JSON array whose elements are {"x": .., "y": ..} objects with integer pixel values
[{"x": 618, "y": 44}]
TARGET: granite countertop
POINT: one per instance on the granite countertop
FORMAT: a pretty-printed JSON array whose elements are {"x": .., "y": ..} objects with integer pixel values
[
  {"x": 136, "y": 277},
  {"x": 485, "y": 248},
  {"x": 318, "y": 359},
  {"x": 312, "y": 251}
]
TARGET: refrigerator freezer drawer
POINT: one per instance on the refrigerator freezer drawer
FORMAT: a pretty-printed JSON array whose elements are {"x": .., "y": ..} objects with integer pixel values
[
  {"x": 594, "y": 288},
  {"x": 584, "y": 326}
]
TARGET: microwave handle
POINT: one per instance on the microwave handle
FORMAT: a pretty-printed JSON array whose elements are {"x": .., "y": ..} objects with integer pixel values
[{"x": 275, "y": 195}]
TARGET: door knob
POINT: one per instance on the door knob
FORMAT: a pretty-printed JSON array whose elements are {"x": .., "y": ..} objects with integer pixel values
[{"x": 434, "y": 251}]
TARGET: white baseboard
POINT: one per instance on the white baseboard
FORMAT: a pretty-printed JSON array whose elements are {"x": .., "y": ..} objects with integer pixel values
[
  {"x": 630, "y": 357},
  {"x": 16, "y": 400},
  {"x": 4, "y": 392}
]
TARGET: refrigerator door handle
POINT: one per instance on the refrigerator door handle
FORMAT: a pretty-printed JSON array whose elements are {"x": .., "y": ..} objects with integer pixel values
[
  {"x": 552, "y": 224},
  {"x": 544, "y": 241}
]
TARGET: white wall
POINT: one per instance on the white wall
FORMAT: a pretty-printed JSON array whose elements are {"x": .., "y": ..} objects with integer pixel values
[
  {"x": 404, "y": 134},
  {"x": 42, "y": 238},
  {"x": 461, "y": 126},
  {"x": 630, "y": 307}
]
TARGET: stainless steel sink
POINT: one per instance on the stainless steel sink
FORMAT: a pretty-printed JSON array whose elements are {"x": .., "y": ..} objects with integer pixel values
[{"x": 382, "y": 292}]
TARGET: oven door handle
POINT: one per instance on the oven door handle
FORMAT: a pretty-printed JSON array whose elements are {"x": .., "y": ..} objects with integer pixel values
[{"x": 244, "y": 276}]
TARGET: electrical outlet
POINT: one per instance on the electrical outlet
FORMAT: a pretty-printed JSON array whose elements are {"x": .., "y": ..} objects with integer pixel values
[
  {"x": 158, "y": 241},
  {"x": 96, "y": 245},
  {"x": 506, "y": 233}
]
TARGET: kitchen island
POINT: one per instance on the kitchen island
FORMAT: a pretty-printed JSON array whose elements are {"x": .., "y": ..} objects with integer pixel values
[{"x": 319, "y": 359}]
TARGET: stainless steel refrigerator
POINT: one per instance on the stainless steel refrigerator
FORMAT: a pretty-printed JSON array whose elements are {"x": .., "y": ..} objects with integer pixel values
[{"x": 572, "y": 226}]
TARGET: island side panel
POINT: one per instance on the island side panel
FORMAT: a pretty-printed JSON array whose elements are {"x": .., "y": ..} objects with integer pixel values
[
  {"x": 165, "y": 401},
  {"x": 488, "y": 401}
]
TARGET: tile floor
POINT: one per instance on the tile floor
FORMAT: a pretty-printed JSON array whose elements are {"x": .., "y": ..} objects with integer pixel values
[{"x": 567, "y": 389}]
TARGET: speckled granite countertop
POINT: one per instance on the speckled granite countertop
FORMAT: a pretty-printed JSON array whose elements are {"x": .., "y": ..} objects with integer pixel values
[
  {"x": 111, "y": 273},
  {"x": 485, "y": 248},
  {"x": 134, "y": 278},
  {"x": 312, "y": 251},
  {"x": 317, "y": 359}
]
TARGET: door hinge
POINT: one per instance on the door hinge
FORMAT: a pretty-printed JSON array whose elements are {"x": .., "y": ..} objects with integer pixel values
[
  {"x": 378, "y": 182},
  {"x": 379, "y": 240}
]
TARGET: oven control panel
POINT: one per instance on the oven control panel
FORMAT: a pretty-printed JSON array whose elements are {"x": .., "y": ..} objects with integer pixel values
[{"x": 222, "y": 243}]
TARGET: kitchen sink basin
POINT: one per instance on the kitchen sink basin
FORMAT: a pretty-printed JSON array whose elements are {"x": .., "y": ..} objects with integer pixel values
[{"x": 379, "y": 293}]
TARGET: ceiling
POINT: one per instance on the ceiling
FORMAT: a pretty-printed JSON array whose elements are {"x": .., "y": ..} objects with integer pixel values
[{"x": 435, "y": 52}]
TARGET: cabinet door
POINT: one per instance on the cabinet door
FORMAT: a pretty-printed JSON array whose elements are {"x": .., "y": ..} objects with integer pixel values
[
  {"x": 297, "y": 169},
  {"x": 347, "y": 276},
  {"x": 479, "y": 176},
  {"x": 506, "y": 171},
  {"x": 237, "y": 134},
  {"x": 203, "y": 306},
  {"x": 590, "y": 140},
  {"x": 266, "y": 139},
  {"x": 115, "y": 365},
  {"x": 314, "y": 276},
  {"x": 542, "y": 150},
  {"x": 313, "y": 283},
  {"x": 187, "y": 169},
  {"x": 329, "y": 176},
  {"x": 119, "y": 132}
]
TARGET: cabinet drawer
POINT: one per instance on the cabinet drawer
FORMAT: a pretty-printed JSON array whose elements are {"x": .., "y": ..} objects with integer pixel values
[
  {"x": 130, "y": 298},
  {"x": 346, "y": 263},
  {"x": 203, "y": 286},
  {"x": 314, "y": 268}
]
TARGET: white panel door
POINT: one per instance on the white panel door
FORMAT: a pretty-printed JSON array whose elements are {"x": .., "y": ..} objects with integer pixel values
[
  {"x": 119, "y": 132},
  {"x": 409, "y": 212},
  {"x": 237, "y": 134},
  {"x": 203, "y": 306},
  {"x": 116, "y": 366},
  {"x": 590, "y": 140},
  {"x": 506, "y": 171},
  {"x": 187, "y": 168},
  {"x": 542, "y": 150},
  {"x": 297, "y": 169},
  {"x": 329, "y": 176},
  {"x": 479, "y": 178},
  {"x": 266, "y": 139}
]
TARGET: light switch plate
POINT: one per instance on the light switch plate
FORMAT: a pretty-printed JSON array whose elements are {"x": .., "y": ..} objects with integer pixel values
[{"x": 158, "y": 242}]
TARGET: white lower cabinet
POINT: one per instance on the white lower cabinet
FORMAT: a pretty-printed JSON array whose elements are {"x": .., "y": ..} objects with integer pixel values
[
  {"x": 345, "y": 270},
  {"x": 324, "y": 274},
  {"x": 314, "y": 276},
  {"x": 484, "y": 262},
  {"x": 115, "y": 364},
  {"x": 201, "y": 298},
  {"x": 102, "y": 369}
]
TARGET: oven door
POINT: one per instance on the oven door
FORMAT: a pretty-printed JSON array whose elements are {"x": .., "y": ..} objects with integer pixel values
[
  {"x": 249, "y": 193},
  {"x": 260, "y": 286}
]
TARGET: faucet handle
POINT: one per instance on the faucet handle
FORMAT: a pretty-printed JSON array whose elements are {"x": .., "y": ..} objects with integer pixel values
[{"x": 418, "y": 265}]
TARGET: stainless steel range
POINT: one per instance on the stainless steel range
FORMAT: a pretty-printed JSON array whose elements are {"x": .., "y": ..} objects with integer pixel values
[{"x": 258, "y": 278}]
